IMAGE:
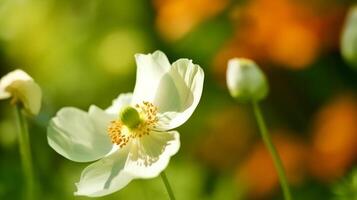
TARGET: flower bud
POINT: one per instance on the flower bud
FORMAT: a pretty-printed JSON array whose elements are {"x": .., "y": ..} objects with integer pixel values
[
  {"x": 19, "y": 86},
  {"x": 130, "y": 117},
  {"x": 245, "y": 81},
  {"x": 349, "y": 38}
]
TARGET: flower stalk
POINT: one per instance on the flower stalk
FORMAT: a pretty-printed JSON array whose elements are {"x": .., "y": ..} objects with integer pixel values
[
  {"x": 167, "y": 185},
  {"x": 273, "y": 152},
  {"x": 25, "y": 152}
]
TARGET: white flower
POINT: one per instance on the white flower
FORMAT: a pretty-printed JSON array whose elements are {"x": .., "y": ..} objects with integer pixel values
[
  {"x": 22, "y": 89},
  {"x": 133, "y": 138}
]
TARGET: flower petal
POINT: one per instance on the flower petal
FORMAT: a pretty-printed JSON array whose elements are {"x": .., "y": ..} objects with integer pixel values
[
  {"x": 150, "y": 155},
  {"x": 29, "y": 94},
  {"x": 105, "y": 176},
  {"x": 9, "y": 78},
  {"x": 80, "y": 136},
  {"x": 179, "y": 93},
  {"x": 4, "y": 94},
  {"x": 23, "y": 88},
  {"x": 150, "y": 69},
  {"x": 143, "y": 158},
  {"x": 119, "y": 102}
]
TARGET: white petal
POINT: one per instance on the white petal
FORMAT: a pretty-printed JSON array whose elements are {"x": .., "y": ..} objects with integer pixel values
[
  {"x": 80, "y": 136},
  {"x": 28, "y": 93},
  {"x": 150, "y": 155},
  {"x": 9, "y": 78},
  {"x": 115, "y": 171},
  {"x": 150, "y": 69},
  {"x": 105, "y": 176},
  {"x": 4, "y": 94},
  {"x": 21, "y": 86},
  {"x": 179, "y": 93},
  {"x": 119, "y": 102}
]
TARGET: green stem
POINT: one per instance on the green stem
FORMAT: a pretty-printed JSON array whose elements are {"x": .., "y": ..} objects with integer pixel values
[
  {"x": 167, "y": 185},
  {"x": 273, "y": 152},
  {"x": 25, "y": 152}
]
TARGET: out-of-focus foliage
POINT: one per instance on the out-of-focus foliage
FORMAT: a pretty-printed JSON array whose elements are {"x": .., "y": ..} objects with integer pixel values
[
  {"x": 347, "y": 189},
  {"x": 82, "y": 52}
]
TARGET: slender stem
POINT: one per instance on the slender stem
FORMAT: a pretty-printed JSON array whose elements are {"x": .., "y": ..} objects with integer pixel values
[
  {"x": 167, "y": 185},
  {"x": 25, "y": 152},
  {"x": 273, "y": 152}
]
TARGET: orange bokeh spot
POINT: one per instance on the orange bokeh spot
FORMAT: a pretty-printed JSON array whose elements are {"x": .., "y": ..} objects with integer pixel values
[
  {"x": 226, "y": 138},
  {"x": 175, "y": 18},
  {"x": 334, "y": 145},
  {"x": 294, "y": 46},
  {"x": 258, "y": 173},
  {"x": 286, "y": 33}
]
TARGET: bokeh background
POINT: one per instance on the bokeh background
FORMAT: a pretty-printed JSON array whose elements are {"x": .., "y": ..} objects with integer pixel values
[{"x": 82, "y": 52}]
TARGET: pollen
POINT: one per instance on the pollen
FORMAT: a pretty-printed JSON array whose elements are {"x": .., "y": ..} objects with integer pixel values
[
  {"x": 120, "y": 134},
  {"x": 116, "y": 133}
]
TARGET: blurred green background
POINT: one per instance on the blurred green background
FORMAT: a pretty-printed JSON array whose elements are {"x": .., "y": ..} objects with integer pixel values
[{"x": 82, "y": 52}]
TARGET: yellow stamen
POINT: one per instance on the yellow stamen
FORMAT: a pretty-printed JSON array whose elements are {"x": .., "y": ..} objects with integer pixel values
[{"x": 121, "y": 134}]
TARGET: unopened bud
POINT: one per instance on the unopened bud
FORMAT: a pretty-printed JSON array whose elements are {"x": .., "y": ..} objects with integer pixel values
[{"x": 245, "y": 80}]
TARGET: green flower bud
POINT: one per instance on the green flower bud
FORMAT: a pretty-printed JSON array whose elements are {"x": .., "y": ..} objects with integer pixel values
[
  {"x": 349, "y": 38},
  {"x": 245, "y": 81},
  {"x": 130, "y": 117}
]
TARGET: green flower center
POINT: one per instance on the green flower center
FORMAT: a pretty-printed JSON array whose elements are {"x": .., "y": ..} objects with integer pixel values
[
  {"x": 130, "y": 117},
  {"x": 133, "y": 122}
]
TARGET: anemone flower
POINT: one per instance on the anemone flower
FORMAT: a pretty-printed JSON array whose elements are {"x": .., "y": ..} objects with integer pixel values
[
  {"x": 20, "y": 86},
  {"x": 134, "y": 137}
]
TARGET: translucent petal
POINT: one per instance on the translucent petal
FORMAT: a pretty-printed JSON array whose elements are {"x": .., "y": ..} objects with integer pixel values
[
  {"x": 78, "y": 135},
  {"x": 119, "y": 102},
  {"x": 150, "y": 70},
  {"x": 9, "y": 78},
  {"x": 145, "y": 158},
  {"x": 179, "y": 93},
  {"x": 104, "y": 176},
  {"x": 19, "y": 85},
  {"x": 150, "y": 155},
  {"x": 28, "y": 93}
]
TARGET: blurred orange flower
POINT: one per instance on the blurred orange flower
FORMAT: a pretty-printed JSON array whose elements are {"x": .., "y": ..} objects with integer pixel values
[
  {"x": 284, "y": 32},
  {"x": 258, "y": 173},
  {"x": 334, "y": 145},
  {"x": 175, "y": 18},
  {"x": 227, "y": 138}
]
